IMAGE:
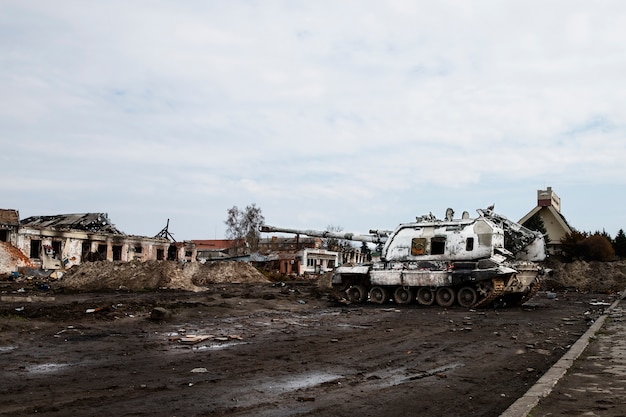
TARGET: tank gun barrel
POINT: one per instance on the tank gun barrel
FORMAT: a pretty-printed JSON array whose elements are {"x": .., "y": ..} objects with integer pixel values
[{"x": 375, "y": 236}]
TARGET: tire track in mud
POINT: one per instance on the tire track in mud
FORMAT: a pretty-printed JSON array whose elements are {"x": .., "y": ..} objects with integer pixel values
[{"x": 310, "y": 358}]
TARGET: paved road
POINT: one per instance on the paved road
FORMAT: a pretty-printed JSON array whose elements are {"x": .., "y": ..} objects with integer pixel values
[{"x": 590, "y": 379}]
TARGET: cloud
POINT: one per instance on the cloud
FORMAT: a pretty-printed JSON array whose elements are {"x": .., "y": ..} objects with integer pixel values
[{"x": 316, "y": 109}]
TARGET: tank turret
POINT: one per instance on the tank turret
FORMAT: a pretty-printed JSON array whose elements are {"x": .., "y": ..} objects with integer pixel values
[{"x": 469, "y": 261}]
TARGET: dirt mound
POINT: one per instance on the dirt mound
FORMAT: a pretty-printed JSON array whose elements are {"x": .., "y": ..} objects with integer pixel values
[
  {"x": 231, "y": 272},
  {"x": 599, "y": 277},
  {"x": 136, "y": 275}
]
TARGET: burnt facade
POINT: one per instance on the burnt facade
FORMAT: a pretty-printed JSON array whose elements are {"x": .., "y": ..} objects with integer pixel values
[{"x": 61, "y": 241}]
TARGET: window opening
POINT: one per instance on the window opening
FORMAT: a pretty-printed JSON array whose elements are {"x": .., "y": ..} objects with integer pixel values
[
  {"x": 117, "y": 252},
  {"x": 418, "y": 246},
  {"x": 85, "y": 248},
  {"x": 172, "y": 253},
  {"x": 102, "y": 252},
  {"x": 35, "y": 249},
  {"x": 56, "y": 247},
  {"x": 438, "y": 245}
]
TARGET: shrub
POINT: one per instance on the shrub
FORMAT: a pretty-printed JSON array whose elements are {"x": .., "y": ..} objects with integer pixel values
[
  {"x": 581, "y": 245},
  {"x": 598, "y": 248}
]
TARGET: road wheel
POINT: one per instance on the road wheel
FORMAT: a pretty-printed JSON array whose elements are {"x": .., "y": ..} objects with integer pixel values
[
  {"x": 467, "y": 297},
  {"x": 445, "y": 296},
  {"x": 379, "y": 295},
  {"x": 356, "y": 293},
  {"x": 403, "y": 295},
  {"x": 425, "y": 296}
]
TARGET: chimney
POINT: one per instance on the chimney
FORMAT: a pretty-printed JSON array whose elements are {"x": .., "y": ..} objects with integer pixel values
[{"x": 547, "y": 198}]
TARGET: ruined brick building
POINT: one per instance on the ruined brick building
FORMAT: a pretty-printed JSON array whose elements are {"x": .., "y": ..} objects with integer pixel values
[{"x": 57, "y": 242}]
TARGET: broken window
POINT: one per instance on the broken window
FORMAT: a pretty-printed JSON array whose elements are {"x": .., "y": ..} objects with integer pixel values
[
  {"x": 35, "y": 249},
  {"x": 117, "y": 253},
  {"x": 85, "y": 249},
  {"x": 160, "y": 254},
  {"x": 438, "y": 245},
  {"x": 56, "y": 247},
  {"x": 102, "y": 252},
  {"x": 172, "y": 253},
  {"x": 4, "y": 236},
  {"x": 418, "y": 246},
  {"x": 469, "y": 244},
  {"x": 138, "y": 249}
]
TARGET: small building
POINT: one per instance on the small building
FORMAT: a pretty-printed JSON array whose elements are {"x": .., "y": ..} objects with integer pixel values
[
  {"x": 303, "y": 255},
  {"x": 317, "y": 261},
  {"x": 548, "y": 209},
  {"x": 307, "y": 261},
  {"x": 220, "y": 249}
]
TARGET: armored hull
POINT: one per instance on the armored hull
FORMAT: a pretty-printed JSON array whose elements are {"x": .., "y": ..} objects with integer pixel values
[{"x": 472, "y": 262}]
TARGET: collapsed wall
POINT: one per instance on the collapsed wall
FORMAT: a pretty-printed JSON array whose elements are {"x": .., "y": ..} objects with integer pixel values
[{"x": 11, "y": 259}]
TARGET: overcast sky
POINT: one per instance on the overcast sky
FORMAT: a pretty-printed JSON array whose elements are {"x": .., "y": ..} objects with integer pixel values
[{"x": 359, "y": 114}]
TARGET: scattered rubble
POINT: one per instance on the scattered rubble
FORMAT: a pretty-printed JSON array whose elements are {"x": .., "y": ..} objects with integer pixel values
[{"x": 160, "y": 313}]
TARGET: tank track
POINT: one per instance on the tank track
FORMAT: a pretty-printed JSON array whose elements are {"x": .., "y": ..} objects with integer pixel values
[
  {"x": 533, "y": 291},
  {"x": 497, "y": 291}
]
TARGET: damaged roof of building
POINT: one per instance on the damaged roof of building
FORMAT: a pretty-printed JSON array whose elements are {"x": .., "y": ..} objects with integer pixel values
[{"x": 90, "y": 222}]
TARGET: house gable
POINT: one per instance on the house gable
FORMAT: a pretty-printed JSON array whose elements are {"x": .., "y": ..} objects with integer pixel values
[{"x": 548, "y": 209}]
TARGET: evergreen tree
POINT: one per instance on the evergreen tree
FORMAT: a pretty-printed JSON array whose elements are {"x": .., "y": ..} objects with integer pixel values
[
  {"x": 572, "y": 244},
  {"x": 604, "y": 234},
  {"x": 366, "y": 251},
  {"x": 619, "y": 244},
  {"x": 536, "y": 223}
]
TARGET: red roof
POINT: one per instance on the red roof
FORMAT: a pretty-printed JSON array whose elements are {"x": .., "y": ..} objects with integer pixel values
[{"x": 218, "y": 245}]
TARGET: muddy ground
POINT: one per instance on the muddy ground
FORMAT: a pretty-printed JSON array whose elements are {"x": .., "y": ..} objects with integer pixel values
[
  {"x": 272, "y": 349},
  {"x": 595, "y": 385}
]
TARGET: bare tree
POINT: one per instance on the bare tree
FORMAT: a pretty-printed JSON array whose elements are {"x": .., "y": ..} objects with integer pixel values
[
  {"x": 244, "y": 224},
  {"x": 334, "y": 244}
]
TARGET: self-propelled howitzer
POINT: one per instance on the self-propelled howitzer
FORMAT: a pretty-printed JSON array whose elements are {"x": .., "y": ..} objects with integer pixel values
[{"x": 469, "y": 261}]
